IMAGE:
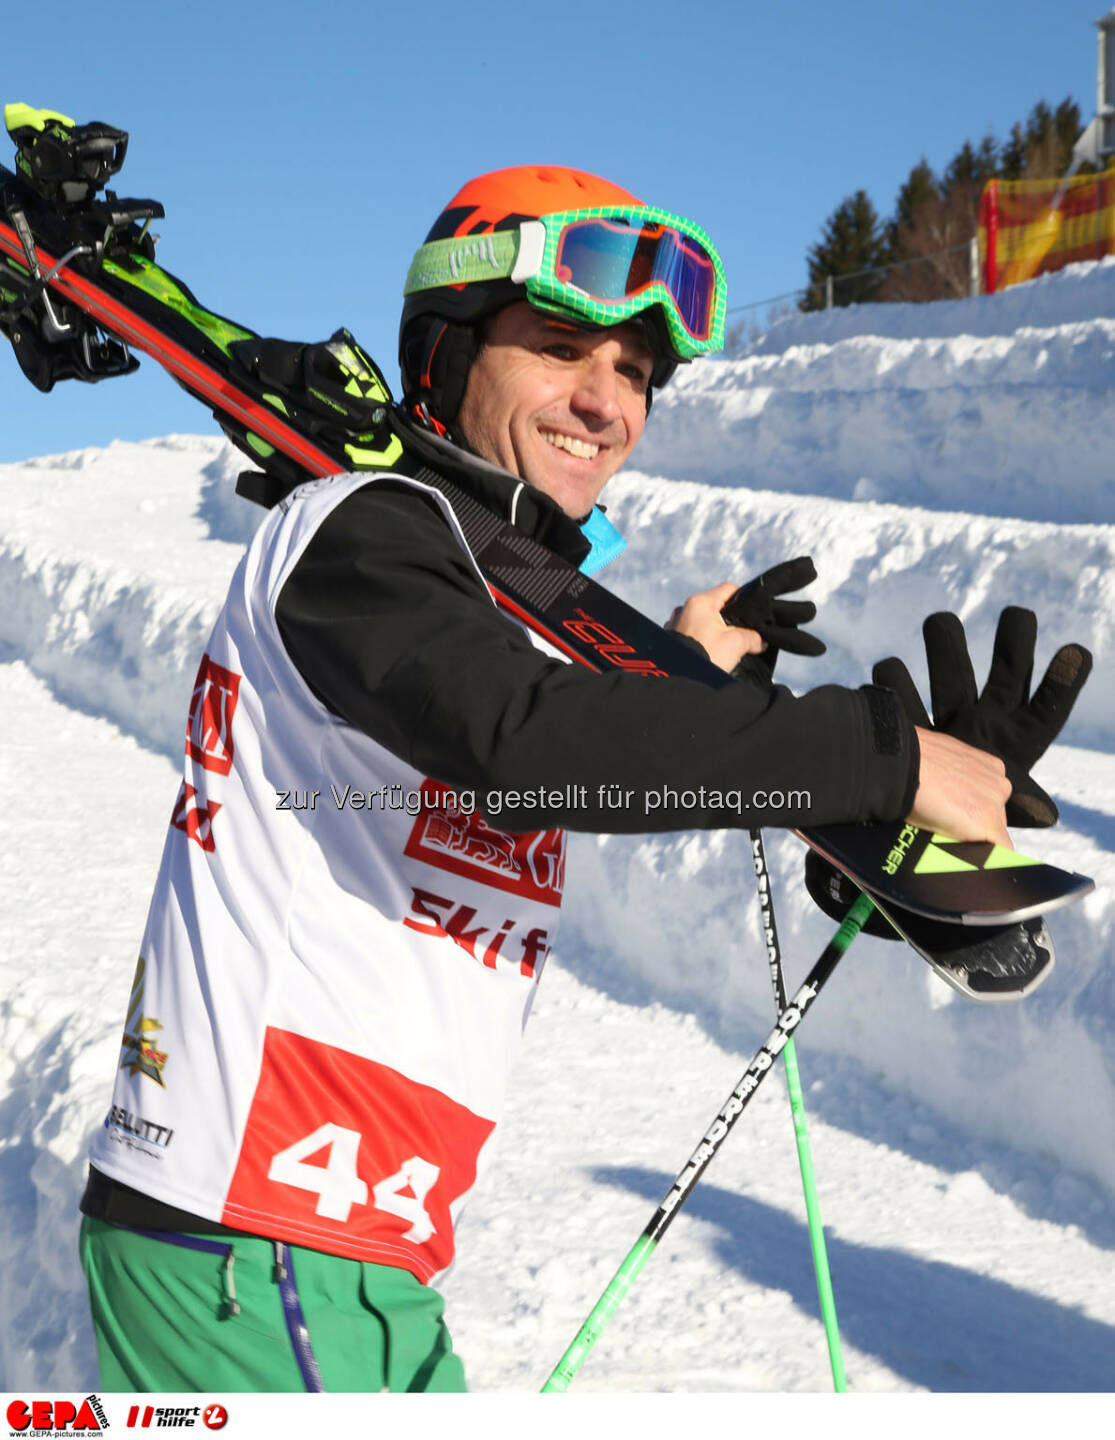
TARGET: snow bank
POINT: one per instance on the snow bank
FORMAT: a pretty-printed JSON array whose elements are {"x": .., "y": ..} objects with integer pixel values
[
  {"x": 1078, "y": 293},
  {"x": 995, "y": 406},
  {"x": 113, "y": 564}
]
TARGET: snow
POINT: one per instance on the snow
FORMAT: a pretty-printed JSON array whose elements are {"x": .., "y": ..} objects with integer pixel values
[
  {"x": 948, "y": 456},
  {"x": 994, "y": 406}
]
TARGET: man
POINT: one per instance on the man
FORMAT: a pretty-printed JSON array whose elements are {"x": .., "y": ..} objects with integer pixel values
[{"x": 348, "y": 926}]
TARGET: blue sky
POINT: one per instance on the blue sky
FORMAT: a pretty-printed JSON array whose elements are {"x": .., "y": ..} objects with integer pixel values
[{"x": 302, "y": 151}]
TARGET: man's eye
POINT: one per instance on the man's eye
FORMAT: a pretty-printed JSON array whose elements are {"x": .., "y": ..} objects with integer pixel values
[{"x": 559, "y": 350}]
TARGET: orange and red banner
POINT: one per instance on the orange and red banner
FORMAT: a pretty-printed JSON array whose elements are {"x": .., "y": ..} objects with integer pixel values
[{"x": 1030, "y": 227}]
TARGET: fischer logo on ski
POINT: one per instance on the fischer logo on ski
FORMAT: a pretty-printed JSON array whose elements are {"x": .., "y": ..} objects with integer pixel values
[{"x": 906, "y": 837}]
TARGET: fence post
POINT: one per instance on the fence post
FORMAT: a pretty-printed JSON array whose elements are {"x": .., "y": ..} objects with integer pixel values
[
  {"x": 989, "y": 224},
  {"x": 828, "y": 292},
  {"x": 973, "y": 267}
]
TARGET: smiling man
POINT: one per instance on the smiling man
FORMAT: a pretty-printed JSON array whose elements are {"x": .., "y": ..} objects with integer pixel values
[
  {"x": 333, "y": 992},
  {"x": 562, "y": 406}
]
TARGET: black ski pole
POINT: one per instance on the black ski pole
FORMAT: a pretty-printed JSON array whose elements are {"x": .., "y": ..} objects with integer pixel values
[{"x": 761, "y": 1064}]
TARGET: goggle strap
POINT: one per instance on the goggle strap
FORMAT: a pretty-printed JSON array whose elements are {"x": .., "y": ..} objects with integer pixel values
[{"x": 465, "y": 259}]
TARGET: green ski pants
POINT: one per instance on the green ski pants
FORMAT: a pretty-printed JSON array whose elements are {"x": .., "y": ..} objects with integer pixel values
[{"x": 215, "y": 1313}]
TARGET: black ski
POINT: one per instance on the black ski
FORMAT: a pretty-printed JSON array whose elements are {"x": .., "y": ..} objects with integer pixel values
[
  {"x": 79, "y": 286},
  {"x": 971, "y": 883}
]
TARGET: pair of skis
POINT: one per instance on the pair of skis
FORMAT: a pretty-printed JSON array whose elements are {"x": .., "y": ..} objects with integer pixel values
[{"x": 79, "y": 288}]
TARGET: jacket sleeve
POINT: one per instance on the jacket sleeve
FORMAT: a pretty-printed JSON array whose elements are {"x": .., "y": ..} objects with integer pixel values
[{"x": 386, "y": 620}]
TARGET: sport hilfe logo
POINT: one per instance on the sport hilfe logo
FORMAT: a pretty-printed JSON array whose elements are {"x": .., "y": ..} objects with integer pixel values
[
  {"x": 140, "y": 1055},
  {"x": 165, "y": 1417},
  {"x": 52, "y": 1417}
]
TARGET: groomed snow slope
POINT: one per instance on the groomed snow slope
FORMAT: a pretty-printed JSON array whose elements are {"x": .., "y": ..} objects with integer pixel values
[{"x": 965, "y": 1153}]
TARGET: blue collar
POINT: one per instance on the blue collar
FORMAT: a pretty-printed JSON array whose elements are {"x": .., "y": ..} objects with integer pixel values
[{"x": 606, "y": 541}]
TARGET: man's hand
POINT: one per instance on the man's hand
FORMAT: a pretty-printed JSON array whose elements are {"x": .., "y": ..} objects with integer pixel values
[
  {"x": 700, "y": 619},
  {"x": 962, "y": 792},
  {"x": 733, "y": 623}
]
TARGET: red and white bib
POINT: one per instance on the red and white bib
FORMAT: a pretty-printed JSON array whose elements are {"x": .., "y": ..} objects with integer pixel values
[{"x": 338, "y": 963}]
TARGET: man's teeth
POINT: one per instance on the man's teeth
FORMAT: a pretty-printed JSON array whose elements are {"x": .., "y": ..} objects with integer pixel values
[{"x": 581, "y": 448}]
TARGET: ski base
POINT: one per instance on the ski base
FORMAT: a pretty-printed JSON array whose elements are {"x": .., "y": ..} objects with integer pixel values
[{"x": 987, "y": 963}]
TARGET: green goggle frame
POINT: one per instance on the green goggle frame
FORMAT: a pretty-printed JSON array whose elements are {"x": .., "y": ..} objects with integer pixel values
[{"x": 601, "y": 266}]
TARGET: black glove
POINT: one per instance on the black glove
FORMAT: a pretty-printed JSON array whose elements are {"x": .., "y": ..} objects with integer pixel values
[
  {"x": 832, "y": 892},
  {"x": 755, "y": 606},
  {"x": 1003, "y": 718}
]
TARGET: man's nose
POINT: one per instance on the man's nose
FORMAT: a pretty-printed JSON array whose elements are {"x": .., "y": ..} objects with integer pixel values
[{"x": 597, "y": 390}]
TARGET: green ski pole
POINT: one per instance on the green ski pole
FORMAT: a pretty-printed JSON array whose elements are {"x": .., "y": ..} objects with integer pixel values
[
  {"x": 801, "y": 1134},
  {"x": 762, "y": 1063}
]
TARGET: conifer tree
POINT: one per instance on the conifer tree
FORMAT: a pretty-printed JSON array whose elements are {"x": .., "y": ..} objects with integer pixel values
[
  {"x": 1012, "y": 163},
  {"x": 919, "y": 187},
  {"x": 1042, "y": 148},
  {"x": 852, "y": 241}
]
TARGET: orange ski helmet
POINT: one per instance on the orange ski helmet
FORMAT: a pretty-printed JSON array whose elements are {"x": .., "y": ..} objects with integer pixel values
[{"x": 441, "y": 328}]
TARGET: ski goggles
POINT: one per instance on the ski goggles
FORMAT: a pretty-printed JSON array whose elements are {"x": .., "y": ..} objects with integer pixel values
[{"x": 600, "y": 266}]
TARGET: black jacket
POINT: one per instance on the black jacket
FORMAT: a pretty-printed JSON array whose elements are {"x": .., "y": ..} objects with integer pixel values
[{"x": 385, "y": 619}]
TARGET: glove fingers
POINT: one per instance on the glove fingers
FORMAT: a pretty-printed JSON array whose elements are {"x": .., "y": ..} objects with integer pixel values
[
  {"x": 1012, "y": 659},
  {"x": 1063, "y": 681},
  {"x": 952, "y": 681},
  {"x": 748, "y": 607},
  {"x": 789, "y": 575},
  {"x": 754, "y": 606},
  {"x": 1052, "y": 702},
  {"x": 1029, "y": 806},
  {"x": 794, "y": 641},
  {"x": 793, "y": 612},
  {"x": 894, "y": 675}
]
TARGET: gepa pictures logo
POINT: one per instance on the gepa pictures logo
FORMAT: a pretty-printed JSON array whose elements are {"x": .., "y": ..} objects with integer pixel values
[{"x": 56, "y": 1417}]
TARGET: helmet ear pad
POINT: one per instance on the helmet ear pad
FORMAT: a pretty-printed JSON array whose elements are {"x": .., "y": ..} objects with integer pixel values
[{"x": 435, "y": 357}]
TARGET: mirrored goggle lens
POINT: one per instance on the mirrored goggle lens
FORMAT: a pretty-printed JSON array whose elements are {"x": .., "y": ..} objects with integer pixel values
[{"x": 613, "y": 261}]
